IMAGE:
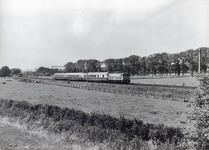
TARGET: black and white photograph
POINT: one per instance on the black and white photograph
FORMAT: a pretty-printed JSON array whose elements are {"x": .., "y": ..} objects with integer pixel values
[{"x": 104, "y": 74}]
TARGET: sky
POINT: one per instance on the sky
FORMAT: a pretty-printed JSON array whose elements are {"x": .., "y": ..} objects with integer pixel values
[{"x": 35, "y": 33}]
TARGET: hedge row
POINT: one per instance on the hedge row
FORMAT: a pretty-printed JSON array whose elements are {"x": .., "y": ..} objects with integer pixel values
[{"x": 95, "y": 127}]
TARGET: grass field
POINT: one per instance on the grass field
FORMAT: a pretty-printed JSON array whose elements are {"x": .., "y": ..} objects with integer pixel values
[
  {"x": 157, "y": 111},
  {"x": 179, "y": 81},
  {"x": 77, "y": 113}
]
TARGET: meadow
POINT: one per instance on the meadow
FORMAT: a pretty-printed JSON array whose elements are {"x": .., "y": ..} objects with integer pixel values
[
  {"x": 150, "y": 110},
  {"x": 173, "y": 80},
  {"x": 118, "y": 121}
]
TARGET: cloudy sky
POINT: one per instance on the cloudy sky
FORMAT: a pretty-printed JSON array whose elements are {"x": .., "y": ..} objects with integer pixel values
[{"x": 35, "y": 33}]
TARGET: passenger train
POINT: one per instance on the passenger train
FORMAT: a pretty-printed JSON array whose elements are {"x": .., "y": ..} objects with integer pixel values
[{"x": 94, "y": 76}]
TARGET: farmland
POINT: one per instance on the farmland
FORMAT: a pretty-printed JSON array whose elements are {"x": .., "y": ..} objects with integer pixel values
[
  {"x": 170, "y": 80},
  {"x": 171, "y": 113},
  {"x": 147, "y": 109}
]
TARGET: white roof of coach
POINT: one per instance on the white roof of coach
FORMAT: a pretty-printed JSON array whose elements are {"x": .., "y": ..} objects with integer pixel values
[
  {"x": 59, "y": 74},
  {"x": 97, "y": 73},
  {"x": 75, "y": 73}
]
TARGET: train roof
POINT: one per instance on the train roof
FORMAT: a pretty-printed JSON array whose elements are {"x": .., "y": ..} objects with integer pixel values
[
  {"x": 74, "y": 73},
  {"x": 97, "y": 73},
  {"x": 118, "y": 73},
  {"x": 59, "y": 73}
]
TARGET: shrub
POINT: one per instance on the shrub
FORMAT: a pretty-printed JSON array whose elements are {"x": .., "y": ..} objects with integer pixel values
[
  {"x": 95, "y": 127},
  {"x": 200, "y": 116}
]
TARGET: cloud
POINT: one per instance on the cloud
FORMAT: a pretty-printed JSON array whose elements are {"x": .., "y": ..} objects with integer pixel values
[{"x": 50, "y": 32}]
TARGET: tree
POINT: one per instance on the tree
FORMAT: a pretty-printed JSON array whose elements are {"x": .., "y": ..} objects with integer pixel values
[
  {"x": 43, "y": 71},
  {"x": 184, "y": 67},
  {"x": 118, "y": 65},
  {"x": 70, "y": 67},
  {"x": 199, "y": 116},
  {"x": 5, "y": 71},
  {"x": 143, "y": 64},
  {"x": 134, "y": 64},
  {"x": 53, "y": 71},
  {"x": 109, "y": 65},
  {"x": 81, "y": 65},
  {"x": 93, "y": 65},
  {"x": 151, "y": 65},
  {"x": 15, "y": 71},
  {"x": 178, "y": 67}
]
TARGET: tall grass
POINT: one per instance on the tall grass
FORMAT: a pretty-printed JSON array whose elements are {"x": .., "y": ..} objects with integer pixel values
[{"x": 117, "y": 133}]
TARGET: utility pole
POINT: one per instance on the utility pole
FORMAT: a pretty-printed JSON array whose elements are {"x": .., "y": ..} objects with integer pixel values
[
  {"x": 199, "y": 66},
  {"x": 86, "y": 68}
]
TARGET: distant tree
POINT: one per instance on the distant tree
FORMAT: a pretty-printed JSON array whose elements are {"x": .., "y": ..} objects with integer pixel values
[
  {"x": 81, "y": 65},
  {"x": 15, "y": 71},
  {"x": 93, "y": 65},
  {"x": 118, "y": 65},
  {"x": 151, "y": 65},
  {"x": 162, "y": 63},
  {"x": 109, "y": 63},
  {"x": 134, "y": 64},
  {"x": 178, "y": 68},
  {"x": 53, "y": 71},
  {"x": 204, "y": 59},
  {"x": 143, "y": 65},
  {"x": 5, "y": 71},
  {"x": 70, "y": 67},
  {"x": 43, "y": 71},
  {"x": 127, "y": 65}
]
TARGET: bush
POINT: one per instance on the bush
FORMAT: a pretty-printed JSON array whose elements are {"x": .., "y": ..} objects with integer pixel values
[
  {"x": 94, "y": 127},
  {"x": 200, "y": 116}
]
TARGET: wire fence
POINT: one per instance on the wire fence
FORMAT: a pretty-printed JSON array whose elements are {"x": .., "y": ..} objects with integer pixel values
[{"x": 147, "y": 94}]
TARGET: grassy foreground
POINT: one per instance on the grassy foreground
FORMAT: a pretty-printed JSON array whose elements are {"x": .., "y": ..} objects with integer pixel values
[{"x": 100, "y": 129}]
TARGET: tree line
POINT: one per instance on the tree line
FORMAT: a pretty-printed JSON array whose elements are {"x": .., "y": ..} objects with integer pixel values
[
  {"x": 6, "y": 72},
  {"x": 155, "y": 64},
  {"x": 159, "y": 63}
]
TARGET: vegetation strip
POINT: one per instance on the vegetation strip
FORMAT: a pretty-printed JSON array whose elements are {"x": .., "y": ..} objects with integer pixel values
[{"x": 94, "y": 127}]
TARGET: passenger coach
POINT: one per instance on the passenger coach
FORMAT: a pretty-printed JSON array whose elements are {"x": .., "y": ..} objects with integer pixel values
[
  {"x": 60, "y": 76},
  {"x": 119, "y": 77},
  {"x": 94, "y": 76},
  {"x": 75, "y": 76}
]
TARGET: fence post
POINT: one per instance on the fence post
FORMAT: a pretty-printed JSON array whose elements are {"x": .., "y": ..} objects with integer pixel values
[
  {"x": 132, "y": 93},
  {"x": 172, "y": 96},
  {"x": 163, "y": 96},
  {"x": 154, "y": 95}
]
